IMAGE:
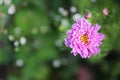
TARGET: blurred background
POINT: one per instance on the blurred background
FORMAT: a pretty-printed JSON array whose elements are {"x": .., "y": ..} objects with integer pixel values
[{"x": 32, "y": 36}]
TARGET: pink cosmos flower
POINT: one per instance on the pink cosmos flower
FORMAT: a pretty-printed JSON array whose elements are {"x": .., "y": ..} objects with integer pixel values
[{"x": 84, "y": 39}]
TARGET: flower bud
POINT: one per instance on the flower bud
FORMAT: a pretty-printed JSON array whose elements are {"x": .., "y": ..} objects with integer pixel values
[
  {"x": 105, "y": 11},
  {"x": 87, "y": 15}
]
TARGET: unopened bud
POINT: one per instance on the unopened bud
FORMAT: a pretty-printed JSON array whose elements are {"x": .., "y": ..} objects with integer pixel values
[
  {"x": 105, "y": 11},
  {"x": 87, "y": 15}
]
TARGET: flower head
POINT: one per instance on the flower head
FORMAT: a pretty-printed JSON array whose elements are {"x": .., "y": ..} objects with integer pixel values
[{"x": 84, "y": 39}]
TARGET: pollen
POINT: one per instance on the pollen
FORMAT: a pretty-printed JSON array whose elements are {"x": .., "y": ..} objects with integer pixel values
[{"x": 84, "y": 39}]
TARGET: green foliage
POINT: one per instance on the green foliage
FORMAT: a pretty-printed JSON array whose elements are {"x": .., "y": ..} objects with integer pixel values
[{"x": 4, "y": 57}]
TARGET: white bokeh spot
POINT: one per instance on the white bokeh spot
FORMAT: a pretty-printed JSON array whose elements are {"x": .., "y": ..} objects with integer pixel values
[
  {"x": 1, "y": 2},
  {"x": 76, "y": 16},
  {"x": 56, "y": 63},
  {"x": 16, "y": 43},
  {"x": 19, "y": 62},
  {"x": 7, "y": 2},
  {"x": 11, "y": 9},
  {"x": 23, "y": 40},
  {"x": 11, "y": 37},
  {"x": 73, "y": 9},
  {"x": 63, "y": 11}
]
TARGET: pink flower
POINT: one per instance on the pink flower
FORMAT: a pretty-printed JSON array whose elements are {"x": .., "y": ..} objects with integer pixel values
[
  {"x": 87, "y": 15},
  {"x": 84, "y": 39},
  {"x": 105, "y": 11}
]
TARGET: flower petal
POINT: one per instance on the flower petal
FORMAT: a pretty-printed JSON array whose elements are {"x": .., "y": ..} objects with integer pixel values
[
  {"x": 101, "y": 36},
  {"x": 67, "y": 43},
  {"x": 95, "y": 27},
  {"x": 96, "y": 50}
]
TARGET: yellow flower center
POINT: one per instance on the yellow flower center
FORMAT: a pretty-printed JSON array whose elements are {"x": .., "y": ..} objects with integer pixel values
[{"x": 84, "y": 38}]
